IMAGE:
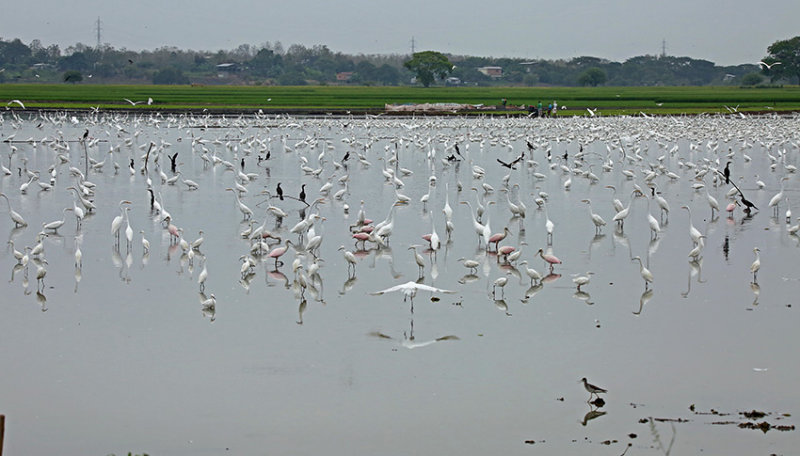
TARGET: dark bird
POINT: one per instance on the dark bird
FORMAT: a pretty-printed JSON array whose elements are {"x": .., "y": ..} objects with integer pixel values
[
  {"x": 566, "y": 155},
  {"x": 727, "y": 173},
  {"x": 152, "y": 197},
  {"x": 747, "y": 204},
  {"x": 132, "y": 164},
  {"x": 269, "y": 154},
  {"x": 530, "y": 146},
  {"x": 346, "y": 157},
  {"x": 172, "y": 159},
  {"x": 279, "y": 190},
  {"x": 130, "y": 61},
  {"x": 85, "y": 134},
  {"x": 458, "y": 151},
  {"x": 452, "y": 157},
  {"x": 507, "y": 165},
  {"x": 303, "y": 193},
  {"x": 242, "y": 163}
]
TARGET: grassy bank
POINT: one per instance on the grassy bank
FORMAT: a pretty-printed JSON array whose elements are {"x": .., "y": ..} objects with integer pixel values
[{"x": 608, "y": 100}]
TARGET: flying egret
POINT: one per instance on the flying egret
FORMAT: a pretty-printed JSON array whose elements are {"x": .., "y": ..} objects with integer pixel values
[{"x": 409, "y": 290}]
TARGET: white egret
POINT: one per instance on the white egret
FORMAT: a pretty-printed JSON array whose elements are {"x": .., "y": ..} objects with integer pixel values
[
  {"x": 645, "y": 273},
  {"x": 756, "y": 264},
  {"x": 409, "y": 290}
]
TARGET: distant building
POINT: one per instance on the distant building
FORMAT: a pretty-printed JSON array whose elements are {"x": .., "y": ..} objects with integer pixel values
[
  {"x": 229, "y": 67},
  {"x": 223, "y": 69},
  {"x": 494, "y": 72},
  {"x": 344, "y": 76}
]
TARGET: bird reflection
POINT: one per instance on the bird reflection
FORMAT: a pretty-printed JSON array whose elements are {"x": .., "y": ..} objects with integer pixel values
[
  {"x": 42, "y": 300},
  {"x": 78, "y": 277},
  {"x": 348, "y": 285},
  {"x": 583, "y": 296},
  {"x": 17, "y": 267},
  {"x": 278, "y": 275},
  {"x": 596, "y": 240},
  {"x": 410, "y": 342},
  {"x": 246, "y": 280},
  {"x": 695, "y": 270},
  {"x": 208, "y": 306},
  {"x": 531, "y": 292},
  {"x": 467, "y": 278},
  {"x": 726, "y": 248},
  {"x": 301, "y": 310},
  {"x": 550, "y": 278},
  {"x": 644, "y": 299},
  {"x": 756, "y": 288},
  {"x": 502, "y": 305},
  {"x": 592, "y": 414}
]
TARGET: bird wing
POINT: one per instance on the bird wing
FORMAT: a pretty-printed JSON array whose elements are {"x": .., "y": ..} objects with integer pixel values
[
  {"x": 389, "y": 290},
  {"x": 422, "y": 286}
]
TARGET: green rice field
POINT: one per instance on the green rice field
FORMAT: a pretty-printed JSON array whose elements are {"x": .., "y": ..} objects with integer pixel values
[{"x": 360, "y": 99}]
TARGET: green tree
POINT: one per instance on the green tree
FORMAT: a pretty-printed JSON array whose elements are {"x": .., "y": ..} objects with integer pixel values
[
  {"x": 784, "y": 59},
  {"x": 593, "y": 76},
  {"x": 387, "y": 74},
  {"x": 428, "y": 65},
  {"x": 266, "y": 63},
  {"x": 752, "y": 79},
  {"x": 170, "y": 75},
  {"x": 14, "y": 52},
  {"x": 72, "y": 76}
]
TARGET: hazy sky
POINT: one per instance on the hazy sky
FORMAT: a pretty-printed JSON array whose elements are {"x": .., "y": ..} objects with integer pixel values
[{"x": 727, "y": 33}]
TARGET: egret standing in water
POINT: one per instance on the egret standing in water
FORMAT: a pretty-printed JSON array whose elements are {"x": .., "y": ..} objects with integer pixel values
[
  {"x": 646, "y": 274},
  {"x": 756, "y": 265},
  {"x": 582, "y": 280}
]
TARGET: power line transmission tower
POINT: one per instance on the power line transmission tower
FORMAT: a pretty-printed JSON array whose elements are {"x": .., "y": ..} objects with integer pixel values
[
  {"x": 663, "y": 48},
  {"x": 97, "y": 29},
  {"x": 412, "y": 46}
]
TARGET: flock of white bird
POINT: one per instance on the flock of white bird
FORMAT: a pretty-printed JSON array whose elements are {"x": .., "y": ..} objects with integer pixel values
[{"x": 506, "y": 167}]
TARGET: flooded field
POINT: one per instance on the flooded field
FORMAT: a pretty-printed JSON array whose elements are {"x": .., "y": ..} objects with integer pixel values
[{"x": 209, "y": 343}]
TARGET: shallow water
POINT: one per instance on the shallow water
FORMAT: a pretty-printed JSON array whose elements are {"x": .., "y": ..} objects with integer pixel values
[{"x": 119, "y": 355}]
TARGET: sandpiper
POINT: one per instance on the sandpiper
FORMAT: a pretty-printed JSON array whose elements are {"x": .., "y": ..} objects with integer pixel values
[{"x": 592, "y": 389}]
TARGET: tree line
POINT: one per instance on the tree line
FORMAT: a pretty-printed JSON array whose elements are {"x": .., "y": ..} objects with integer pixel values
[{"x": 271, "y": 64}]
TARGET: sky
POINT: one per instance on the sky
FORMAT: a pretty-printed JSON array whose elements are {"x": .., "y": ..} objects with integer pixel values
[{"x": 726, "y": 33}]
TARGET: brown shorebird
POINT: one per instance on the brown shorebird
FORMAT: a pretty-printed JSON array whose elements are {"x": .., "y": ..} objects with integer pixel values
[{"x": 592, "y": 389}]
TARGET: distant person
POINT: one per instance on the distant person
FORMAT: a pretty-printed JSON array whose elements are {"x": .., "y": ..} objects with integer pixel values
[
  {"x": 504, "y": 102},
  {"x": 555, "y": 107},
  {"x": 550, "y": 109}
]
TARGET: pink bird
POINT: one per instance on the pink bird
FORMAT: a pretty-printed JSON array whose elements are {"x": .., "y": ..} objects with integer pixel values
[
  {"x": 278, "y": 252},
  {"x": 173, "y": 232},
  {"x": 497, "y": 237},
  {"x": 550, "y": 259},
  {"x": 506, "y": 250},
  {"x": 732, "y": 206},
  {"x": 363, "y": 237}
]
